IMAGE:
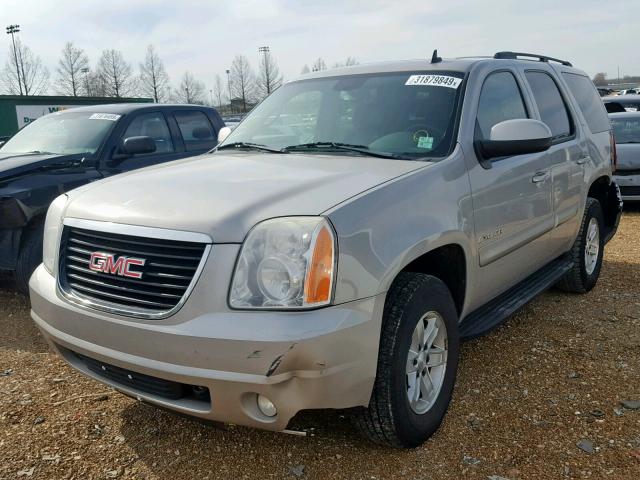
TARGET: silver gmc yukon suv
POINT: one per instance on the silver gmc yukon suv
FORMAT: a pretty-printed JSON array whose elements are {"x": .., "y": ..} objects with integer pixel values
[{"x": 338, "y": 244}]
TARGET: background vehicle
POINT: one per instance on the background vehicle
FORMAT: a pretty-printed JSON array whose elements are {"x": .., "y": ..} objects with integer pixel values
[
  {"x": 622, "y": 103},
  {"x": 64, "y": 150},
  {"x": 626, "y": 128},
  {"x": 352, "y": 228}
]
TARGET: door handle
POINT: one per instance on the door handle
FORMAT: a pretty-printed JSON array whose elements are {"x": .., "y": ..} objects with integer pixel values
[
  {"x": 540, "y": 177},
  {"x": 583, "y": 160}
]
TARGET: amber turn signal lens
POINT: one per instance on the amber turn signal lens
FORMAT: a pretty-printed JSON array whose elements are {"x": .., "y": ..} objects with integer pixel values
[{"x": 319, "y": 280}]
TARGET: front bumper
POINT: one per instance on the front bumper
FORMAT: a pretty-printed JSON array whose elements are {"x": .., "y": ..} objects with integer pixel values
[
  {"x": 629, "y": 186},
  {"x": 324, "y": 358}
]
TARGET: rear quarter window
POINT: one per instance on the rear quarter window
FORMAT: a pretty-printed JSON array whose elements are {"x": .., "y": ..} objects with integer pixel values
[{"x": 585, "y": 93}]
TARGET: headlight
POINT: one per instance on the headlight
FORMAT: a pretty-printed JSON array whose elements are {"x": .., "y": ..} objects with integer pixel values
[
  {"x": 52, "y": 230},
  {"x": 285, "y": 263}
]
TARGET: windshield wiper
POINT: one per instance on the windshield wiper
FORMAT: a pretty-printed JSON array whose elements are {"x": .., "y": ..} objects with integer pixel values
[
  {"x": 363, "y": 149},
  {"x": 250, "y": 146}
]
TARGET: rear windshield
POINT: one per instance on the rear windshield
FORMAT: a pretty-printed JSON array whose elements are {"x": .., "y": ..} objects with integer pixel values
[
  {"x": 626, "y": 129},
  {"x": 407, "y": 114},
  {"x": 589, "y": 101},
  {"x": 63, "y": 133}
]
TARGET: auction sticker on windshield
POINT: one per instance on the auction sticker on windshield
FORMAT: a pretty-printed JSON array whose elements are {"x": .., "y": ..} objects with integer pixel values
[
  {"x": 105, "y": 116},
  {"x": 434, "y": 80}
]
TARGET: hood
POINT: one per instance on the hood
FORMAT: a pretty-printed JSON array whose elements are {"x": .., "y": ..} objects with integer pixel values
[
  {"x": 628, "y": 156},
  {"x": 15, "y": 164},
  {"x": 225, "y": 195}
]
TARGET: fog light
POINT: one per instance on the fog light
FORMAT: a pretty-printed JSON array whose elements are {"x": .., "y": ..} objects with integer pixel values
[{"x": 266, "y": 406}]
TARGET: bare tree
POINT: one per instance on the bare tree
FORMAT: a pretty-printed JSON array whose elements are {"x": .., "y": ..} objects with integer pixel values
[
  {"x": 348, "y": 62},
  {"x": 243, "y": 84},
  {"x": 270, "y": 78},
  {"x": 600, "y": 79},
  {"x": 94, "y": 85},
  {"x": 218, "y": 91},
  {"x": 34, "y": 76},
  {"x": 70, "y": 68},
  {"x": 116, "y": 74},
  {"x": 190, "y": 90},
  {"x": 154, "y": 81},
  {"x": 318, "y": 65},
  {"x": 305, "y": 69}
]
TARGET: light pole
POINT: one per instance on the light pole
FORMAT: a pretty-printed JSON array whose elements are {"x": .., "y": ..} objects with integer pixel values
[
  {"x": 85, "y": 70},
  {"x": 229, "y": 87},
  {"x": 267, "y": 80},
  {"x": 211, "y": 97},
  {"x": 11, "y": 30}
]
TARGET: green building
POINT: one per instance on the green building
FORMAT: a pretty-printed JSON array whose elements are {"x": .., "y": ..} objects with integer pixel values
[{"x": 16, "y": 111}]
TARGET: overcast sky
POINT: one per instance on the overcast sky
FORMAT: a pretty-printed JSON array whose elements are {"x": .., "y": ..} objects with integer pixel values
[{"x": 204, "y": 36}]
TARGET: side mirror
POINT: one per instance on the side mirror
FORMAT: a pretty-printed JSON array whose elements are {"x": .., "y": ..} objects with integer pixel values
[
  {"x": 516, "y": 137},
  {"x": 223, "y": 134},
  {"x": 138, "y": 145}
]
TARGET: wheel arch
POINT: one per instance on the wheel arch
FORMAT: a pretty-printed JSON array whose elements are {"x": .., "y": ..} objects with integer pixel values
[
  {"x": 605, "y": 191},
  {"x": 448, "y": 262}
]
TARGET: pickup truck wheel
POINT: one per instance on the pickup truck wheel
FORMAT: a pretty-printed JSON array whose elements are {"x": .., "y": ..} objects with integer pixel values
[
  {"x": 417, "y": 363},
  {"x": 587, "y": 252},
  {"x": 29, "y": 258}
]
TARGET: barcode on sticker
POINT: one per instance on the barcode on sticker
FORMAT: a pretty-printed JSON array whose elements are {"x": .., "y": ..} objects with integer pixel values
[
  {"x": 105, "y": 116},
  {"x": 434, "y": 80}
]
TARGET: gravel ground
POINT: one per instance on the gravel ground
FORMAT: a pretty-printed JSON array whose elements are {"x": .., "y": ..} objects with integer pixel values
[{"x": 527, "y": 395}]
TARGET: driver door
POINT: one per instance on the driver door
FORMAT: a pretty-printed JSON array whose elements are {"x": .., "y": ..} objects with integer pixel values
[
  {"x": 151, "y": 124},
  {"x": 512, "y": 200}
]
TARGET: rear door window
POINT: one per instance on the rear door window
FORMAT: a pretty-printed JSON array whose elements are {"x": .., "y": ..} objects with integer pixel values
[
  {"x": 553, "y": 110},
  {"x": 585, "y": 93},
  {"x": 197, "y": 132},
  {"x": 500, "y": 100}
]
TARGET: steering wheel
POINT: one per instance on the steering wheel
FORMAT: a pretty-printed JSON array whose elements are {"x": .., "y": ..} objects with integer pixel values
[{"x": 424, "y": 130}]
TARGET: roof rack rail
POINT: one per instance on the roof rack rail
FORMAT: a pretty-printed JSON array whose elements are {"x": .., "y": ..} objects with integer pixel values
[{"x": 541, "y": 58}]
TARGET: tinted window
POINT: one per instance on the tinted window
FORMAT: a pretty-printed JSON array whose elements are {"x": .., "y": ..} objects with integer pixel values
[
  {"x": 589, "y": 101},
  {"x": 500, "y": 100},
  {"x": 152, "y": 125},
  {"x": 196, "y": 130},
  {"x": 551, "y": 106},
  {"x": 626, "y": 129},
  {"x": 410, "y": 114}
]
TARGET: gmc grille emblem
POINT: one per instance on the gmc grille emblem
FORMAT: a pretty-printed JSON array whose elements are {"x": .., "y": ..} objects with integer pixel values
[{"x": 121, "y": 266}]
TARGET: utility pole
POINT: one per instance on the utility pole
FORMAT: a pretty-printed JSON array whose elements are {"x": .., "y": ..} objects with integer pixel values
[
  {"x": 11, "y": 30},
  {"x": 267, "y": 80},
  {"x": 211, "y": 97},
  {"x": 85, "y": 70},
  {"x": 229, "y": 87}
]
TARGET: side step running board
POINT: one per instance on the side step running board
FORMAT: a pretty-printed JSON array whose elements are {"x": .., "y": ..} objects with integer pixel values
[{"x": 489, "y": 316}]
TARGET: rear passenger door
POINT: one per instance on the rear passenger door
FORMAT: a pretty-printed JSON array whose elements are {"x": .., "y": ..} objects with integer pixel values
[
  {"x": 565, "y": 157},
  {"x": 197, "y": 131}
]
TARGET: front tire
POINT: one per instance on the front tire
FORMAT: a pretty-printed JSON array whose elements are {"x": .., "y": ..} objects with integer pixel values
[
  {"x": 587, "y": 251},
  {"x": 417, "y": 363},
  {"x": 29, "y": 258}
]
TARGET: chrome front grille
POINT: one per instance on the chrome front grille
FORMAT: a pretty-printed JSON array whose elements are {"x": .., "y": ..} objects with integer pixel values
[{"x": 128, "y": 274}]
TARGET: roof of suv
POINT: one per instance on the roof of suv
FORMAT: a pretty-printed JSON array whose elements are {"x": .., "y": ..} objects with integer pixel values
[
  {"x": 124, "y": 108},
  {"x": 462, "y": 65}
]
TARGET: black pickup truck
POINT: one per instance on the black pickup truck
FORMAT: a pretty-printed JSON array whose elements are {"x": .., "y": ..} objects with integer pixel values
[{"x": 64, "y": 150}]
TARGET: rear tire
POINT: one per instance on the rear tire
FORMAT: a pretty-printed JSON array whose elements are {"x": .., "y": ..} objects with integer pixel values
[
  {"x": 29, "y": 258},
  {"x": 587, "y": 251},
  {"x": 398, "y": 415}
]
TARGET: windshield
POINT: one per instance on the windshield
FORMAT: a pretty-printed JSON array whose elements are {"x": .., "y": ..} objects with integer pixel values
[
  {"x": 62, "y": 133},
  {"x": 407, "y": 115},
  {"x": 626, "y": 130}
]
